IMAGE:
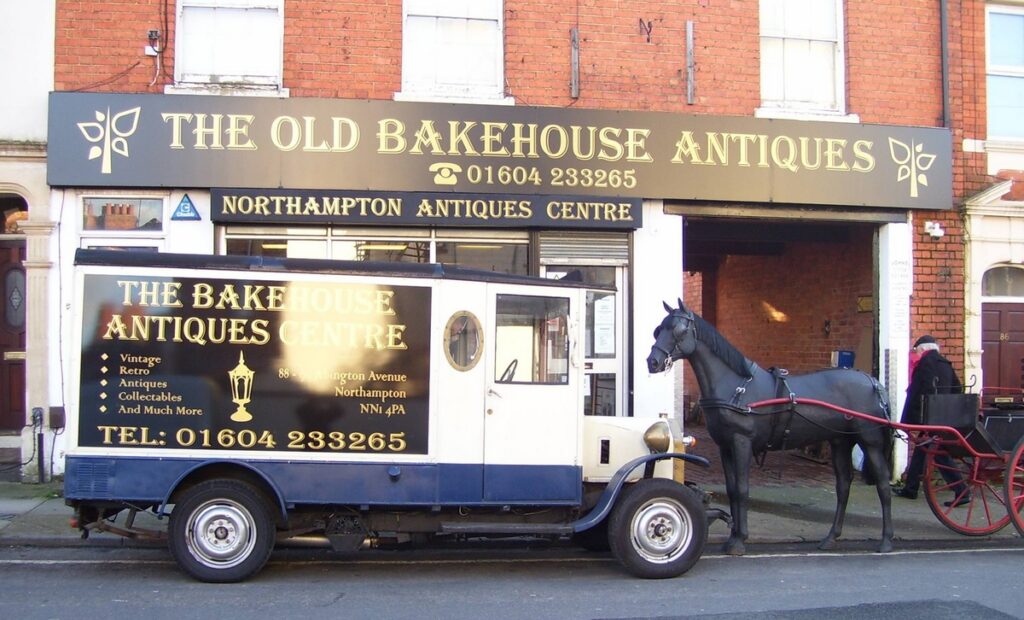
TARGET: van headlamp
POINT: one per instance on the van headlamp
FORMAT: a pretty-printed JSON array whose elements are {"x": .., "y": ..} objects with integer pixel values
[{"x": 658, "y": 437}]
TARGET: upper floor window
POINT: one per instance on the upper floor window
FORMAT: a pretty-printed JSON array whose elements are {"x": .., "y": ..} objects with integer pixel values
[
  {"x": 453, "y": 50},
  {"x": 802, "y": 66},
  {"x": 1005, "y": 72},
  {"x": 229, "y": 43}
]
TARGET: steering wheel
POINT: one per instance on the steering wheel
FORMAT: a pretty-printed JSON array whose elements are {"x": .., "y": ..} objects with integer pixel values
[{"x": 510, "y": 371}]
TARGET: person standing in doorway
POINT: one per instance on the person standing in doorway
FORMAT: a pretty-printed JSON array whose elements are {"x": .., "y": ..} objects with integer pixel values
[{"x": 931, "y": 374}]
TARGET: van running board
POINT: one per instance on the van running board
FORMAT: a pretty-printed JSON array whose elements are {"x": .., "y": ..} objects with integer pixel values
[{"x": 548, "y": 529}]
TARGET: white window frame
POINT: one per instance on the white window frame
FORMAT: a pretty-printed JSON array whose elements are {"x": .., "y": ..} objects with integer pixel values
[
  {"x": 806, "y": 110},
  {"x": 202, "y": 83},
  {"x": 417, "y": 87},
  {"x": 125, "y": 238},
  {"x": 1015, "y": 71}
]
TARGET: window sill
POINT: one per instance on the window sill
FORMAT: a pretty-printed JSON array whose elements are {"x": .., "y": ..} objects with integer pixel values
[
  {"x": 443, "y": 98},
  {"x": 232, "y": 90},
  {"x": 805, "y": 115}
]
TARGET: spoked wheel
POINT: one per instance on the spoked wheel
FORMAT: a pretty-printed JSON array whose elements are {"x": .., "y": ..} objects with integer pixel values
[
  {"x": 221, "y": 531},
  {"x": 657, "y": 529},
  {"x": 1013, "y": 487},
  {"x": 973, "y": 508}
]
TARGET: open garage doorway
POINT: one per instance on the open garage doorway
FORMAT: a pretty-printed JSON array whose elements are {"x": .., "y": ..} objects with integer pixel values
[{"x": 790, "y": 294}]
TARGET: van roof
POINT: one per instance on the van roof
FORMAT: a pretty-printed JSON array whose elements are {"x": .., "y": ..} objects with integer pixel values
[{"x": 124, "y": 258}]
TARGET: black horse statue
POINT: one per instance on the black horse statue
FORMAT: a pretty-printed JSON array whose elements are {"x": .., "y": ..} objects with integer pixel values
[{"x": 729, "y": 383}]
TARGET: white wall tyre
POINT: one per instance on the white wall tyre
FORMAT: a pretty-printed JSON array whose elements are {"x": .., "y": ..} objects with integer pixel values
[
  {"x": 657, "y": 529},
  {"x": 221, "y": 531}
]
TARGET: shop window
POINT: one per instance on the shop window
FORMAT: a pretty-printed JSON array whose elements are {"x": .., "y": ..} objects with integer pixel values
[
  {"x": 599, "y": 394},
  {"x": 802, "y": 64},
  {"x": 531, "y": 340},
  {"x": 127, "y": 215},
  {"x": 1003, "y": 282},
  {"x": 453, "y": 49},
  {"x": 383, "y": 250},
  {"x": 1005, "y": 72},
  {"x": 497, "y": 251},
  {"x": 229, "y": 43},
  {"x": 463, "y": 341},
  {"x": 277, "y": 247},
  {"x": 488, "y": 256}
]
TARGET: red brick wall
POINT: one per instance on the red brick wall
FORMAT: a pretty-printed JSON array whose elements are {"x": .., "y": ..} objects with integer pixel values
[
  {"x": 893, "y": 70},
  {"x": 353, "y": 49},
  {"x": 347, "y": 49},
  {"x": 774, "y": 308},
  {"x": 99, "y": 46},
  {"x": 620, "y": 69}
]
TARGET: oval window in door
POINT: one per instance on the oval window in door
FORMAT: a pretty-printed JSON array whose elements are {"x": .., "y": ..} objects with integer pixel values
[
  {"x": 14, "y": 299},
  {"x": 463, "y": 340}
]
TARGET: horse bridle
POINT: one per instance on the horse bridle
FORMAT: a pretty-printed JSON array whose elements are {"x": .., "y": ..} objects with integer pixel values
[{"x": 669, "y": 355}]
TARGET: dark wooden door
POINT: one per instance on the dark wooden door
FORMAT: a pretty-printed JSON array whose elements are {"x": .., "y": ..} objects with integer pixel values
[
  {"x": 1002, "y": 338},
  {"x": 12, "y": 335}
]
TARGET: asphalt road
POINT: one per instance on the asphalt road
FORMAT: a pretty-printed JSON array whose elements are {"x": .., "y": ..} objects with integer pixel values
[{"x": 515, "y": 582}]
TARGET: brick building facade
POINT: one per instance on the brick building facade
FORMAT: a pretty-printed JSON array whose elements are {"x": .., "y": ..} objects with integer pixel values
[{"x": 789, "y": 283}]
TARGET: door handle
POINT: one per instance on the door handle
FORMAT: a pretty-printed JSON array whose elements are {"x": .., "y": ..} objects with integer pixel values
[{"x": 491, "y": 392}]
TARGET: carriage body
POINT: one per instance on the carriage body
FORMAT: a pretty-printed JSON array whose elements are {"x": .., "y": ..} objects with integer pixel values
[
  {"x": 960, "y": 446},
  {"x": 251, "y": 399}
]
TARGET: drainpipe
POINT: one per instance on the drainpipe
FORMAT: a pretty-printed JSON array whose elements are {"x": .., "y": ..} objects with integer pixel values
[{"x": 944, "y": 47}]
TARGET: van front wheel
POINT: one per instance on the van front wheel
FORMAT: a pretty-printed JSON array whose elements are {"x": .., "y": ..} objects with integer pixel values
[
  {"x": 221, "y": 531},
  {"x": 657, "y": 529}
]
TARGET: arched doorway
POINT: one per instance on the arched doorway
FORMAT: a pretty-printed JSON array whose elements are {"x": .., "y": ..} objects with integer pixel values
[
  {"x": 1002, "y": 334},
  {"x": 12, "y": 313}
]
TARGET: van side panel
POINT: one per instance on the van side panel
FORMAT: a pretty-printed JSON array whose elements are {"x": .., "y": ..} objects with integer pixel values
[{"x": 151, "y": 480}]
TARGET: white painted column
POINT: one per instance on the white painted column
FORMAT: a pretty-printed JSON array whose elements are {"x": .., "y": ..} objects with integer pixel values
[
  {"x": 895, "y": 285},
  {"x": 657, "y": 277}
]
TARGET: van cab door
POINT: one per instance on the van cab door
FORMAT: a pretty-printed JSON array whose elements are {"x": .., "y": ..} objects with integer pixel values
[{"x": 533, "y": 398}]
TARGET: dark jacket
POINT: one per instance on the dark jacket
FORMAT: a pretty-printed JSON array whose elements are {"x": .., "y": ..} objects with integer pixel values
[{"x": 933, "y": 374}]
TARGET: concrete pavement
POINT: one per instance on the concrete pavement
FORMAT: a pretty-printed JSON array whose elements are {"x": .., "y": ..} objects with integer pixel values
[{"x": 35, "y": 515}]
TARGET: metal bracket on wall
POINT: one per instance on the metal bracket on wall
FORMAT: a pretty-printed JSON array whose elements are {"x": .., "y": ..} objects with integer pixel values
[{"x": 574, "y": 76}]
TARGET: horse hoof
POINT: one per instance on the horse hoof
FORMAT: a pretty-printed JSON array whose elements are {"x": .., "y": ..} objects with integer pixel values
[
  {"x": 885, "y": 547},
  {"x": 735, "y": 548},
  {"x": 828, "y": 544}
]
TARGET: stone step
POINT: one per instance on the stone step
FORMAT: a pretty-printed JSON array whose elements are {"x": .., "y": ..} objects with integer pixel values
[{"x": 9, "y": 469}]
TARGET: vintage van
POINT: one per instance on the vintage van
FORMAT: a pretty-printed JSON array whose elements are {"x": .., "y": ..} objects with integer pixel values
[{"x": 253, "y": 399}]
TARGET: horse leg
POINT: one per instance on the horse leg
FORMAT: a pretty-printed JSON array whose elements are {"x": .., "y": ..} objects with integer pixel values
[
  {"x": 842, "y": 467},
  {"x": 736, "y": 463},
  {"x": 875, "y": 459}
]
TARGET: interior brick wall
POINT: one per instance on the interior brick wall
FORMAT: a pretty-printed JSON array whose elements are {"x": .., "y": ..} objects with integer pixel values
[{"x": 774, "y": 308}]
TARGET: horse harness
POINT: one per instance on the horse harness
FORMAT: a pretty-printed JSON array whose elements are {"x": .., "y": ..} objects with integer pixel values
[{"x": 782, "y": 418}]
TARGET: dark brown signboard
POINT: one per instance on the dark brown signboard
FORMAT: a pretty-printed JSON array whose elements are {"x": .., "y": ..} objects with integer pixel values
[
  {"x": 117, "y": 140},
  {"x": 269, "y": 206},
  {"x": 270, "y": 366}
]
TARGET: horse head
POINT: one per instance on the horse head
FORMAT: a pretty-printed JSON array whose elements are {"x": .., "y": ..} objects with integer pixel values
[{"x": 674, "y": 338}]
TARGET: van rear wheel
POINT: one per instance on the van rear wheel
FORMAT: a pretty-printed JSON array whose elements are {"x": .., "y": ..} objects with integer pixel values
[
  {"x": 221, "y": 531},
  {"x": 657, "y": 529}
]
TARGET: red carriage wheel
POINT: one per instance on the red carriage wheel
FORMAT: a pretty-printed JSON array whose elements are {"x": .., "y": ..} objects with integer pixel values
[
  {"x": 976, "y": 507},
  {"x": 1013, "y": 486}
]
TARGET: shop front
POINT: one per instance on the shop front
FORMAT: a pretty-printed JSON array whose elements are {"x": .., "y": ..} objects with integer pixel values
[{"x": 588, "y": 194}]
